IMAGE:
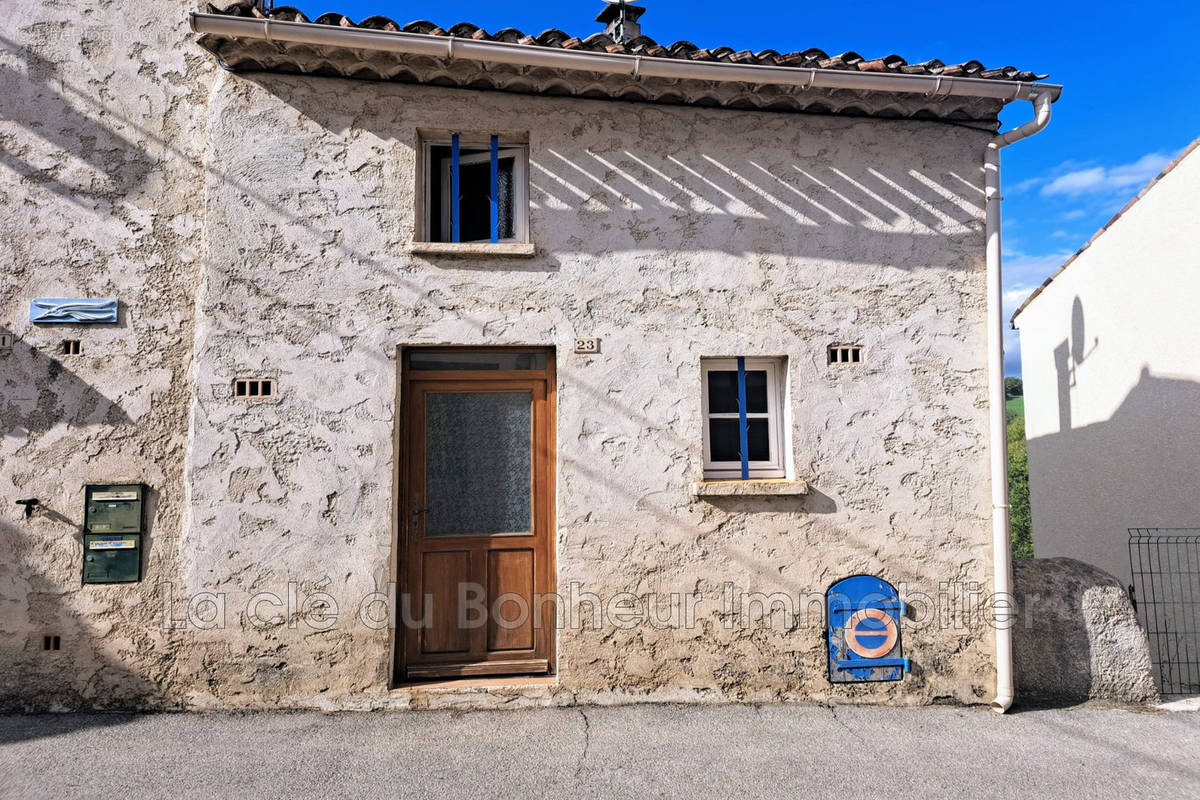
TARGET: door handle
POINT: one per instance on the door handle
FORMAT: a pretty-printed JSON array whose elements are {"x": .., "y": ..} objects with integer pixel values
[{"x": 419, "y": 511}]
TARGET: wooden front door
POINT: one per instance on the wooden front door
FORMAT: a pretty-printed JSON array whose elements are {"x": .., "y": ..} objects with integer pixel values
[{"x": 477, "y": 512}]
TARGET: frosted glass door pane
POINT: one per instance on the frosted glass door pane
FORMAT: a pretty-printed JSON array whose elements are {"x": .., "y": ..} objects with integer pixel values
[{"x": 478, "y": 463}]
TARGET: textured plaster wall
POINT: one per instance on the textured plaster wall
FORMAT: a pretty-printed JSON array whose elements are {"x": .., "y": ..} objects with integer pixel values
[
  {"x": 101, "y": 131},
  {"x": 670, "y": 234},
  {"x": 261, "y": 223}
]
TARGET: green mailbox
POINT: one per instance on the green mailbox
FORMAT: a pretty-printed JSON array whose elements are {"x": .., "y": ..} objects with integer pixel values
[
  {"x": 113, "y": 524},
  {"x": 114, "y": 509},
  {"x": 112, "y": 559}
]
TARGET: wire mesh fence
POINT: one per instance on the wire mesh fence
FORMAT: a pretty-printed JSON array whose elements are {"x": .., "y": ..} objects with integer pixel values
[{"x": 1166, "y": 588}]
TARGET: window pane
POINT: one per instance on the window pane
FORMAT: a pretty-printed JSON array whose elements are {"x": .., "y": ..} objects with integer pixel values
[
  {"x": 478, "y": 463},
  {"x": 725, "y": 439},
  {"x": 723, "y": 391},
  {"x": 450, "y": 359},
  {"x": 507, "y": 226},
  {"x": 756, "y": 391},
  {"x": 758, "y": 434}
]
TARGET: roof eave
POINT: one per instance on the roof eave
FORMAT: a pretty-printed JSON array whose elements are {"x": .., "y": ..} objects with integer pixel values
[{"x": 451, "y": 48}]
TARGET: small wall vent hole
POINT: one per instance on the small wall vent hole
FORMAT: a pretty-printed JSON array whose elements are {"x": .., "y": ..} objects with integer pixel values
[
  {"x": 845, "y": 354},
  {"x": 51, "y": 643},
  {"x": 254, "y": 387},
  {"x": 71, "y": 347}
]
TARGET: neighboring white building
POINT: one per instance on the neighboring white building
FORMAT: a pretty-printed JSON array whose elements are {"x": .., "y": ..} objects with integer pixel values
[{"x": 1110, "y": 351}]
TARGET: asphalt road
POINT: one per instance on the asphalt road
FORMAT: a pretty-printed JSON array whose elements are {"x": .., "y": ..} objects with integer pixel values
[{"x": 630, "y": 751}]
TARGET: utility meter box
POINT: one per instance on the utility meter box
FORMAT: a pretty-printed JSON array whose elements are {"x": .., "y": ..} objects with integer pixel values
[
  {"x": 113, "y": 524},
  {"x": 112, "y": 559}
]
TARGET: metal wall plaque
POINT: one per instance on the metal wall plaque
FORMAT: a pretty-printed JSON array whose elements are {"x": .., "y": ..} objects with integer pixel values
[
  {"x": 863, "y": 634},
  {"x": 75, "y": 310}
]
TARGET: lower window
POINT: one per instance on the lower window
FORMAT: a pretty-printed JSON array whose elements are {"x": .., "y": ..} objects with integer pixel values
[{"x": 743, "y": 417}]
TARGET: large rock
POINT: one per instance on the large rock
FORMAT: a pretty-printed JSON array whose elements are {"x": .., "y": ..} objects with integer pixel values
[{"x": 1076, "y": 636}]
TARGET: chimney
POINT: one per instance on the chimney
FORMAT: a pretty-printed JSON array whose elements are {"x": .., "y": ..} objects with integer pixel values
[{"x": 622, "y": 20}]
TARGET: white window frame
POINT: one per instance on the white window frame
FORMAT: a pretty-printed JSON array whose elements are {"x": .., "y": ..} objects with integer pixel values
[
  {"x": 520, "y": 155},
  {"x": 773, "y": 467}
]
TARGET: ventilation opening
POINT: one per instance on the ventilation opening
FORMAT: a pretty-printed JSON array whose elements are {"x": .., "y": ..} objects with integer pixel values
[
  {"x": 845, "y": 354},
  {"x": 254, "y": 387},
  {"x": 51, "y": 643},
  {"x": 71, "y": 347}
]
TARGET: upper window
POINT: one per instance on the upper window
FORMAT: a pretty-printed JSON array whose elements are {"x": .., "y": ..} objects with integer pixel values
[
  {"x": 475, "y": 190},
  {"x": 743, "y": 417}
]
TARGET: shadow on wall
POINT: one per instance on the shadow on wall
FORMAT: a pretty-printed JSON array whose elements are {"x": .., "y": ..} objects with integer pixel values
[
  {"x": 35, "y": 100},
  {"x": 1068, "y": 356},
  {"x": 39, "y": 393},
  {"x": 886, "y": 203},
  {"x": 806, "y": 208},
  {"x": 40, "y": 564},
  {"x": 39, "y": 601},
  {"x": 1147, "y": 452},
  {"x": 1136, "y": 469}
]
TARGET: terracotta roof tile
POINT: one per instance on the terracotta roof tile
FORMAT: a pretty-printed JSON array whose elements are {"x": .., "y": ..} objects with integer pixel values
[
  {"x": 644, "y": 45},
  {"x": 508, "y": 35},
  {"x": 253, "y": 54}
]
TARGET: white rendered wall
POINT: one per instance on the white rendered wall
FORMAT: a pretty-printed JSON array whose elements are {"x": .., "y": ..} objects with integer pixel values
[{"x": 1111, "y": 358}]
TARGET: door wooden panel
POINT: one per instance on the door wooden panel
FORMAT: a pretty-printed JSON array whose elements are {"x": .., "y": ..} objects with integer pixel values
[
  {"x": 441, "y": 575},
  {"x": 510, "y": 599},
  {"x": 476, "y": 512}
]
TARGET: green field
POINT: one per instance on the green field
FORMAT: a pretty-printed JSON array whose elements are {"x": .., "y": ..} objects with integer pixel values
[
  {"x": 1014, "y": 408},
  {"x": 1018, "y": 480}
]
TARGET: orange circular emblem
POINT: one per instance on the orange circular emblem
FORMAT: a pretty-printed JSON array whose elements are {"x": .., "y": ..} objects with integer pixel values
[{"x": 889, "y": 633}]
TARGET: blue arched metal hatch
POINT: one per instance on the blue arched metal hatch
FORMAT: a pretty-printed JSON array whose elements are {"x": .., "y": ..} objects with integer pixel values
[{"x": 863, "y": 616}]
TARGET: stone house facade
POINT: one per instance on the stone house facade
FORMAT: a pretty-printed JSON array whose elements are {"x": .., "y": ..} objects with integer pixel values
[{"x": 735, "y": 335}]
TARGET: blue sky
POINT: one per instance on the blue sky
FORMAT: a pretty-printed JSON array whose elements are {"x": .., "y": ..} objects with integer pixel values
[{"x": 1131, "y": 100}]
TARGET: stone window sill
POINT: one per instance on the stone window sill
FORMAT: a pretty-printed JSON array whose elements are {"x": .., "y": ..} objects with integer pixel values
[
  {"x": 772, "y": 487},
  {"x": 474, "y": 249}
]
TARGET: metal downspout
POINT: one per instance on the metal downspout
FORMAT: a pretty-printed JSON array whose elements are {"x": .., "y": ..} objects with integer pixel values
[{"x": 1002, "y": 603}]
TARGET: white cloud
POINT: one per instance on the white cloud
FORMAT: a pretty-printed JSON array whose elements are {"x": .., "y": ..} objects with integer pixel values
[
  {"x": 1024, "y": 270},
  {"x": 1024, "y": 186},
  {"x": 1059, "y": 234},
  {"x": 1098, "y": 180},
  {"x": 1076, "y": 214},
  {"x": 1080, "y": 181},
  {"x": 1012, "y": 353},
  {"x": 1014, "y": 297}
]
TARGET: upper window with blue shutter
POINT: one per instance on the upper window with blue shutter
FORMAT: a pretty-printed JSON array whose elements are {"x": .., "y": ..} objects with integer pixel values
[{"x": 476, "y": 190}]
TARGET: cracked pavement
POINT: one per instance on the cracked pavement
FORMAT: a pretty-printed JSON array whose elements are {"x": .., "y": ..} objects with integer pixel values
[{"x": 633, "y": 751}]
